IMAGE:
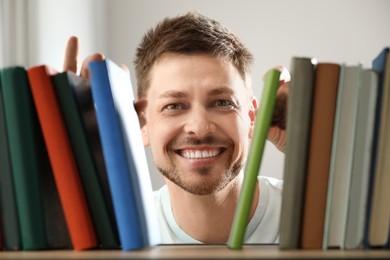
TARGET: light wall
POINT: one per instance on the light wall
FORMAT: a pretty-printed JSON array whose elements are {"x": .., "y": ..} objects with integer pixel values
[
  {"x": 51, "y": 23},
  {"x": 349, "y": 31}
]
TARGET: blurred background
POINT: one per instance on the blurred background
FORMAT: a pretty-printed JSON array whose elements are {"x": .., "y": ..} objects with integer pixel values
[{"x": 344, "y": 31}]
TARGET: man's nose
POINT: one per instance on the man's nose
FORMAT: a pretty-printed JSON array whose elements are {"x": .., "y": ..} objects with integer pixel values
[{"x": 199, "y": 123}]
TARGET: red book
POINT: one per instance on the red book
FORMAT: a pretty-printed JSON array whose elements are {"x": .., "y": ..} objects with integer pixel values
[{"x": 62, "y": 159}]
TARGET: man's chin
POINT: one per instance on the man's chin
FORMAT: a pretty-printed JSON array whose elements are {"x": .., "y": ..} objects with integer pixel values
[
  {"x": 205, "y": 187},
  {"x": 201, "y": 190},
  {"x": 202, "y": 181}
]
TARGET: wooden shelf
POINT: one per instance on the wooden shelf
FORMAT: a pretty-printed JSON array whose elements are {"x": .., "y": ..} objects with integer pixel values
[{"x": 200, "y": 252}]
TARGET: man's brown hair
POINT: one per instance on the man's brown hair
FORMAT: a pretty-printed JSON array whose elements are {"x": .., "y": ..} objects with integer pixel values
[{"x": 191, "y": 33}]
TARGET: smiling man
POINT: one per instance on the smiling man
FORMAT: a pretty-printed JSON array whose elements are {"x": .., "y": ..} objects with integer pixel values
[{"x": 197, "y": 113}]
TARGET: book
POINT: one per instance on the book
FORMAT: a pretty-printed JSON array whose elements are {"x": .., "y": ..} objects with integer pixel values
[
  {"x": 124, "y": 155},
  {"x": 9, "y": 215},
  {"x": 262, "y": 125},
  {"x": 341, "y": 156},
  {"x": 378, "y": 65},
  {"x": 379, "y": 226},
  {"x": 321, "y": 134},
  {"x": 85, "y": 103},
  {"x": 57, "y": 234},
  {"x": 22, "y": 124},
  {"x": 357, "y": 203},
  {"x": 105, "y": 226},
  {"x": 297, "y": 145},
  {"x": 66, "y": 174}
]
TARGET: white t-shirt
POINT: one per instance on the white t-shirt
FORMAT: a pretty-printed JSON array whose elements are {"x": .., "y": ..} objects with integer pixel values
[{"x": 262, "y": 229}]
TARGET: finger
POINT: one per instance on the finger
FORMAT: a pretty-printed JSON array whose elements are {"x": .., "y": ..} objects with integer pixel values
[
  {"x": 84, "y": 67},
  {"x": 279, "y": 117},
  {"x": 124, "y": 67},
  {"x": 284, "y": 73},
  {"x": 283, "y": 85},
  {"x": 71, "y": 53}
]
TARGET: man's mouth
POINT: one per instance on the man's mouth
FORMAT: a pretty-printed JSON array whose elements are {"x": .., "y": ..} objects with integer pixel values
[{"x": 200, "y": 154}]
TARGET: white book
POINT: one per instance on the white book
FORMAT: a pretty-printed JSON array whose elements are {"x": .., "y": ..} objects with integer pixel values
[
  {"x": 341, "y": 157},
  {"x": 123, "y": 96},
  {"x": 356, "y": 211}
]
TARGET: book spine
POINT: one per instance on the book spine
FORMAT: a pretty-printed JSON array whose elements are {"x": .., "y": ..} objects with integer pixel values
[
  {"x": 297, "y": 145},
  {"x": 123, "y": 97},
  {"x": 379, "y": 224},
  {"x": 320, "y": 147},
  {"x": 104, "y": 227},
  {"x": 261, "y": 128},
  {"x": 9, "y": 214},
  {"x": 123, "y": 197},
  {"x": 64, "y": 166},
  {"x": 21, "y": 129},
  {"x": 354, "y": 231}
]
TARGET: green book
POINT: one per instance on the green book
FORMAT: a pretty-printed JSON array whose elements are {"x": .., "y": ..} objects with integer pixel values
[
  {"x": 104, "y": 222},
  {"x": 262, "y": 125},
  {"x": 8, "y": 211},
  {"x": 57, "y": 233},
  {"x": 21, "y": 125}
]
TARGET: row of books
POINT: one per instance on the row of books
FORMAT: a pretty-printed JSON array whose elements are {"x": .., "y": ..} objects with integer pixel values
[
  {"x": 73, "y": 170},
  {"x": 337, "y": 172}
]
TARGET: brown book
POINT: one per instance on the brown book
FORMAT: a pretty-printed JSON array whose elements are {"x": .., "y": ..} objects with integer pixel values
[{"x": 320, "y": 147}]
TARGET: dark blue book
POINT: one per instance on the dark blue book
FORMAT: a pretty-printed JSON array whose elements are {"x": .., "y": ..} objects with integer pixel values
[
  {"x": 124, "y": 155},
  {"x": 379, "y": 65}
]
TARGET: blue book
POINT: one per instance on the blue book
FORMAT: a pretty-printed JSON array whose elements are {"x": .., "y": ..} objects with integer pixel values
[
  {"x": 379, "y": 65},
  {"x": 124, "y": 155}
]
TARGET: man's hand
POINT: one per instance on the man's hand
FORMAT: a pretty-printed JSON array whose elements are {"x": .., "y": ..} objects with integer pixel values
[
  {"x": 277, "y": 132},
  {"x": 71, "y": 56}
]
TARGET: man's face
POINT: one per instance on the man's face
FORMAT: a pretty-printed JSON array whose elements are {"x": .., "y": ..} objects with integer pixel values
[{"x": 198, "y": 121}]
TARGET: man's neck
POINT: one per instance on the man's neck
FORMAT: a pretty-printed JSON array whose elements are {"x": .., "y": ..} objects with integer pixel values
[{"x": 208, "y": 218}]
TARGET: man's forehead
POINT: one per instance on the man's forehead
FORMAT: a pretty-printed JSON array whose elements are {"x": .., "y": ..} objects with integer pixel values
[{"x": 211, "y": 74}]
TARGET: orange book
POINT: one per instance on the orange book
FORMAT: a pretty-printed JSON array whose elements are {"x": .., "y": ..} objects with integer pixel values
[
  {"x": 62, "y": 159},
  {"x": 320, "y": 148}
]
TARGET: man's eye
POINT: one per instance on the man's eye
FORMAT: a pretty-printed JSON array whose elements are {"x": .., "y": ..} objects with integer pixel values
[
  {"x": 223, "y": 103},
  {"x": 174, "y": 107}
]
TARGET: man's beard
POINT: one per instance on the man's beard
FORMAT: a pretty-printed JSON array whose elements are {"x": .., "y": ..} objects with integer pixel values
[{"x": 209, "y": 186}]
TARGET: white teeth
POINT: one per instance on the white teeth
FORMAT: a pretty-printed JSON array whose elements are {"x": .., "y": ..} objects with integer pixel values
[{"x": 200, "y": 154}]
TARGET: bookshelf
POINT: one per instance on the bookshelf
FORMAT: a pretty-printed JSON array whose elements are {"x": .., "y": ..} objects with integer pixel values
[
  {"x": 200, "y": 252},
  {"x": 203, "y": 251}
]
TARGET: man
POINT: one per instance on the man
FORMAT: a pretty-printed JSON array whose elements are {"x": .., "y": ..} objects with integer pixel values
[{"x": 197, "y": 112}]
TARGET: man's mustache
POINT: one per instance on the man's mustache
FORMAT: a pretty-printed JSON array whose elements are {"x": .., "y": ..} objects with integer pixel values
[{"x": 208, "y": 140}]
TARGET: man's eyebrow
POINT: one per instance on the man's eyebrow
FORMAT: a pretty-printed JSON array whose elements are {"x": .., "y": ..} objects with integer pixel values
[
  {"x": 180, "y": 94},
  {"x": 173, "y": 94},
  {"x": 221, "y": 90}
]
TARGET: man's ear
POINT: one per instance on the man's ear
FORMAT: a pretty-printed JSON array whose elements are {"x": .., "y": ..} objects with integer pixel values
[
  {"x": 252, "y": 115},
  {"x": 140, "y": 107}
]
